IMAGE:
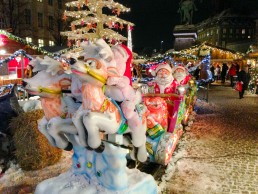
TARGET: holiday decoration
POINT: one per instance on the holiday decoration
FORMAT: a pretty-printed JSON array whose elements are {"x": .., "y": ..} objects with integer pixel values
[
  {"x": 98, "y": 24},
  {"x": 57, "y": 107},
  {"x": 98, "y": 128}
]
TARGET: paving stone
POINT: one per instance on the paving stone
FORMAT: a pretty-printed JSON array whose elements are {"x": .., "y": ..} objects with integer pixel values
[{"x": 227, "y": 141}]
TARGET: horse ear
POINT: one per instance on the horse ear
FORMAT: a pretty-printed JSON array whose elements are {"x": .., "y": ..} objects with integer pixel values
[{"x": 98, "y": 65}]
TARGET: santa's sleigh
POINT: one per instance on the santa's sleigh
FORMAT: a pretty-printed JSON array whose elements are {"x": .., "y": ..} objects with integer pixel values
[{"x": 161, "y": 139}]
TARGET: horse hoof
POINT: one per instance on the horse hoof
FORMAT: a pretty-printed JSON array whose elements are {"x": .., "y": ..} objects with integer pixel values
[
  {"x": 100, "y": 149},
  {"x": 69, "y": 147},
  {"x": 89, "y": 148}
]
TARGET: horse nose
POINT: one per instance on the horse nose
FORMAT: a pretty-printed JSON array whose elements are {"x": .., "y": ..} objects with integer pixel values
[
  {"x": 24, "y": 83},
  {"x": 72, "y": 61}
]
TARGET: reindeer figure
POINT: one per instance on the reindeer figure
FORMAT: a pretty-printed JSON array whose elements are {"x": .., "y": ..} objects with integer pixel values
[
  {"x": 48, "y": 83},
  {"x": 100, "y": 113}
]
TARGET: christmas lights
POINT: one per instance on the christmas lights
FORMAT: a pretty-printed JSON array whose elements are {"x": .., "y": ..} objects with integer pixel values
[
  {"x": 91, "y": 24},
  {"x": 14, "y": 55}
]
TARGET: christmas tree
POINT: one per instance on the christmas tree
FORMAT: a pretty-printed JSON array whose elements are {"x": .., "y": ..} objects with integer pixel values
[
  {"x": 253, "y": 84},
  {"x": 91, "y": 23}
]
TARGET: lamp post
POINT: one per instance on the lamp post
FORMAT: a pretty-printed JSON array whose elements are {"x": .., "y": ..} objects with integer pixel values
[{"x": 161, "y": 44}]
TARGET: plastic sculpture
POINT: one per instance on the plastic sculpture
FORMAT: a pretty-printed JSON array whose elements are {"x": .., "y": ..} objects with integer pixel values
[{"x": 93, "y": 170}]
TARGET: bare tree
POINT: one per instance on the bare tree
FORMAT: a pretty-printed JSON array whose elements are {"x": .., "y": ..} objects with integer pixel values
[{"x": 9, "y": 12}]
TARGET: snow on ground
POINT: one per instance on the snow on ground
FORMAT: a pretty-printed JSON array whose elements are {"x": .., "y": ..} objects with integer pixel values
[
  {"x": 186, "y": 173},
  {"x": 15, "y": 179}
]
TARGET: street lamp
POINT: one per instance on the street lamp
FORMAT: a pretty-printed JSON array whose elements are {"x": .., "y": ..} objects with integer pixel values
[{"x": 161, "y": 42}]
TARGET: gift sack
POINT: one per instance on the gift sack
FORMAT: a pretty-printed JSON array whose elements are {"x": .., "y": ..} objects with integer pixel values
[{"x": 239, "y": 86}]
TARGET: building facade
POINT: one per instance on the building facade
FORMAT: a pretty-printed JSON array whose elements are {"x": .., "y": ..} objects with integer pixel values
[
  {"x": 228, "y": 30},
  {"x": 38, "y": 21}
]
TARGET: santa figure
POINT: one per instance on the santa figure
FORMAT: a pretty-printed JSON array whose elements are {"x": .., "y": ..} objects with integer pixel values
[
  {"x": 181, "y": 75},
  {"x": 164, "y": 79}
]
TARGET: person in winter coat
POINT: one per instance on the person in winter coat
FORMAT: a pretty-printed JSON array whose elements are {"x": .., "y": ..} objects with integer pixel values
[
  {"x": 224, "y": 72},
  {"x": 243, "y": 76},
  {"x": 217, "y": 73},
  {"x": 232, "y": 72}
]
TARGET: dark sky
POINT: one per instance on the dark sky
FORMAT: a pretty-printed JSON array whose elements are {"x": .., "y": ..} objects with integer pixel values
[{"x": 155, "y": 19}]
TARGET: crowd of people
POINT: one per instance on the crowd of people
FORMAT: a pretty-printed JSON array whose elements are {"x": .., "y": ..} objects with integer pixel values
[{"x": 233, "y": 71}]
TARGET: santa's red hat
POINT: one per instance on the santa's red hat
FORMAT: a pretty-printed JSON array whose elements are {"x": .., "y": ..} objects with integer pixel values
[
  {"x": 161, "y": 66},
  {"x": 178, "y": 67}
]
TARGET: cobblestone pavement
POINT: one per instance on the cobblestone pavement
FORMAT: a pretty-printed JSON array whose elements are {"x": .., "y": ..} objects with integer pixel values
[{"x": 218, "y": 153}]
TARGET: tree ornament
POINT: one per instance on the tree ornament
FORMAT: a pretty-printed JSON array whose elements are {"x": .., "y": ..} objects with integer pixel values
[
  {"x": 116, "y": 26},
  {"x": 121, "y": 27},
  {"x": 73, "y": 27},
  {"x": 64, "y": 17}
]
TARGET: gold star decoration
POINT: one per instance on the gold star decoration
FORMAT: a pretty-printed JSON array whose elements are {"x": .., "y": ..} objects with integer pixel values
[
  {"x": 110, "y": 24},
  {"x": 79, "y": 6},
  {"x": 89, "y": 25},
  {"x": 64, "y": 17},
  {"x": 118, "y": 11},
  {"x": 121, "y": 26},
  {"x": 73, "y": 27}
]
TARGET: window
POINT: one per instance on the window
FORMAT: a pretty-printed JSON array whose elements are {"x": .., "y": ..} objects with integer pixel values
[
  {"x": 40, "y": 42},
  {"x": 27, "y": 14},
  {"x": 51, "y": 22},
  {"x": 237, "y": 31},
  {"x": 243, "y": 31},
  {"x": 231, "y": 31},
  {"x": 59, "y": 2},
  {"x": 217, "y": 31},
  {"x": 40, "y": 19},
  {"x": 50, "y": 2},
  {"x": 28, "y": 39},
  {"x": 224, "y": 31},
  {"x": 40, "y": 1},
  {"x": 51, "y": 43}
]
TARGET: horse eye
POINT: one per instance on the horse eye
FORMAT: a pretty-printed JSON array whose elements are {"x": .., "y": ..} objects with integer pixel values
[{"x": 72, "y": 61}]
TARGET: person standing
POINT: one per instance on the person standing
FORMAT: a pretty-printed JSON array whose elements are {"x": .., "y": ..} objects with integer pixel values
[
  {"x": 28, "y": 71},
  {"x": 217, "y": 73},
  {"x": 224, "y": 72},
  {"x": 212, "y": 69},
  {"x": 243, "y": 76},
  {"x": 232, "y": 72}
]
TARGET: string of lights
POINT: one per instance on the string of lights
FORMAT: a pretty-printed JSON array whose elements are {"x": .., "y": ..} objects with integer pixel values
[{"x": 14, "y": 55}]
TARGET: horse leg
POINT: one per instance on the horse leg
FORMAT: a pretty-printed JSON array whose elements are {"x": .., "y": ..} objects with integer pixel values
[
  {"x": 78, "y": 122},
  {"x": 95, "y": 122},
  {"x": 57, "y": 128},
  {"x": 42, "y": 126}
]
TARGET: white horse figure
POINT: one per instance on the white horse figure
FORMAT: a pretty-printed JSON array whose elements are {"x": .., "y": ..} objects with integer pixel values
[
  {"x": 98, "y": 112},
  {"x": 48, "y": 83}
]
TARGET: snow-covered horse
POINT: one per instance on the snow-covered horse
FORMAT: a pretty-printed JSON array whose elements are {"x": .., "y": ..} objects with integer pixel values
[
  {"x": 48, "y": 83},
  {"x": 100, "y": 113}
]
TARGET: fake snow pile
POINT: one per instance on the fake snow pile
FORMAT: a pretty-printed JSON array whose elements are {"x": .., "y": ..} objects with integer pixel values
[
  {"x": 15, "y": 180},
  {"x": 185, "y": 173}
]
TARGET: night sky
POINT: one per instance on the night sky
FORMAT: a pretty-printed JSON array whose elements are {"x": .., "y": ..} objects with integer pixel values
[{"x": 155, "y": 19}]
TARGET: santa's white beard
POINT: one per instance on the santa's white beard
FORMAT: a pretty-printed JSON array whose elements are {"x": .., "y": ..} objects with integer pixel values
[
  {"x": 164, "y": 82},
  {"x": 179, "y": 76}
]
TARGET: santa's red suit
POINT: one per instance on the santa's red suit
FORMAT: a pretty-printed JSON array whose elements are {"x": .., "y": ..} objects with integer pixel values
[
  {"x": 184, "y": 81},
  {"x": 165, "y": 84},
  {"x": 170, "y": 88}
]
